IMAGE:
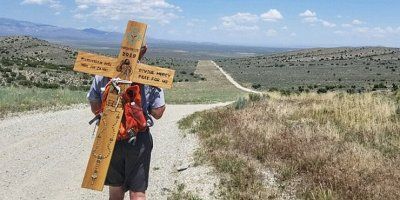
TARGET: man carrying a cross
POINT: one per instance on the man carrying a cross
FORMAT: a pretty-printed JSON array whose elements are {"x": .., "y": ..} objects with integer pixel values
[{"x": 130, "y": 162}]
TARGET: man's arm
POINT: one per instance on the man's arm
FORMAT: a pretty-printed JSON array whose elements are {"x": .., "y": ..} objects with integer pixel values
[
  {"x": 94, "y": 94},
  {"x": 157, "y": 113},
  {"x": 95, "y": 106}
]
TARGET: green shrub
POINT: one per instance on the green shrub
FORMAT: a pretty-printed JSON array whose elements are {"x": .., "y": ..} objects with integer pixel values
[
  {"x": 255, "y": 97},
  {"x": 379, "y": 86},
  {"x": 322, "y": 90},
  {"x": 256, "y": 86},
  {"x": 240, "y": 103},
  {"x": 21, "y": 77}
]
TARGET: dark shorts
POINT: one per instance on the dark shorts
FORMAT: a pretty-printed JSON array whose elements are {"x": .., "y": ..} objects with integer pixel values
[{"x": 130, "y": 164}]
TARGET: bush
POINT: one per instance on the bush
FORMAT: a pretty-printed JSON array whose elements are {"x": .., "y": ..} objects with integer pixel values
[
  {"x": 379, "y": 86},
  {"x": 5, "y": 70},
  {"x": 256, "y": 86},
  {"x": 47, "y": 85},
  {"x": 322, "y": 90},
  {"x": 285, "y": 92},
  {"x": 394, "y": 87},
  {"x": 26, "y": 83},
  {"x": 240, "y": 103},
  {"x": 21, "y": 77},
  {"x": 255, "y": 97},
  {"x": 9, "y": 79}
]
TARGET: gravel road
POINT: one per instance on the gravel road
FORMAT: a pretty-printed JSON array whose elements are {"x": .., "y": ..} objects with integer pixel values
[{"x": 43, "y": 155}]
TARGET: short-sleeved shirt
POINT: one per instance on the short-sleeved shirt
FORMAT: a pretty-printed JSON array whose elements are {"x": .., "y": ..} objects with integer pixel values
[{"x": 154, "y": 96}]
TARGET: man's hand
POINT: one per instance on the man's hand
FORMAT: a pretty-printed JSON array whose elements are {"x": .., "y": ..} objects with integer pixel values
[{"x": 157, "y": 113}]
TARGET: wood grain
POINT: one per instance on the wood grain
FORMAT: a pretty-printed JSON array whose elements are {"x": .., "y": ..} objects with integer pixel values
[
  {"x": 95, "y": 64},
  {"x": 155, "y": 76},
  {"x": 103, "y": 147}
]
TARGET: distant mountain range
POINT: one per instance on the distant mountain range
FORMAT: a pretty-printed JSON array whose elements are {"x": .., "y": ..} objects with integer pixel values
[
  {"x": 109, "y": 42},
  {"x": 10, "y": 27}
]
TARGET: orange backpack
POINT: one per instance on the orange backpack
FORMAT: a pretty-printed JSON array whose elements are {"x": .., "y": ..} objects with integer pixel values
[{"x": 133, "y": 120}]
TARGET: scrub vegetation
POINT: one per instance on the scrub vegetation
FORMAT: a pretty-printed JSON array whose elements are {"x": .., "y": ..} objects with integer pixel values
[
  {"x": 330, "y": 69},
  {"x": 320, "y": 146}
]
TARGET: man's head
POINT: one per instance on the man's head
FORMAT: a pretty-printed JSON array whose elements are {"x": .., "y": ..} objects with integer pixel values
[{"x": 143, "y": 49}]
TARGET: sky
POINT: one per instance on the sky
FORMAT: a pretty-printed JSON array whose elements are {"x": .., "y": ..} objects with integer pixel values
[{"x": 271, "y": 23}]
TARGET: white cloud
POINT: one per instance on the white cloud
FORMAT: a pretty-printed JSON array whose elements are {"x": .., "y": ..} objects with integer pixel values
[
  {"x": 239, "y": 22},
  {"x": 194, "y": 22},
  {"x": 293, "y": 34},
  {"x": 82, "y": 7},
  {"x": 347, "y": 25},
  {"x": 341, "y": 33},
  {"x": 158, "y": 10},
  {"x": 272, "y": 15},
  {"x": 357, "y": 22},
  {"x": 362, "y": 30},
  {"x": 241, "y": 18},
  {"x": 308, "y": 13},
  {"x": 311, "y": 18},
  {"x": 53, "y": 4},
  {"x": 285, "y": 28},
  {"x": 271, "y": 32},
  {"x": 328, "y": 24}
]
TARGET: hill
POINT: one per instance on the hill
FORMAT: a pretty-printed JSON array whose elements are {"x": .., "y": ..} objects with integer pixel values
[
  {"x": 353, "y": 69},
  {"x": 29, "y": 61}
]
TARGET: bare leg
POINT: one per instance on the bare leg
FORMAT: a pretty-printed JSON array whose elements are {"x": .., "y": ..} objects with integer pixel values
[
  {"x": 137, "y": 195},
  {"x": 116, "y": 193}
]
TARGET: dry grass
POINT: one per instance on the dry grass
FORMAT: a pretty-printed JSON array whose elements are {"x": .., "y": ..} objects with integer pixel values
[
  {"x": 18, "y": 99},
  {"x": 215, "y": 88},
  {"x": 331, "y": 146}
]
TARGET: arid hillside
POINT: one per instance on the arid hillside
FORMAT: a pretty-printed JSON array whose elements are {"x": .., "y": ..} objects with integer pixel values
[
  {"x": 30, "y": 62},
  {"x": 324, "y": 69}
]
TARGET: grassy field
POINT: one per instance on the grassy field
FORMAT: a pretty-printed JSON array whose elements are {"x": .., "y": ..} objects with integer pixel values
[
  {"x": 321, "y": 146},
  {"x": 352, "y": 69},
  {"x": 14, "y": 99},
  {"x": 213, "y": 88}
]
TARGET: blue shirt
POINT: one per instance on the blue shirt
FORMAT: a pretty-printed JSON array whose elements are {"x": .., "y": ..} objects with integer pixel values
[{"x": 154, "y": 96}]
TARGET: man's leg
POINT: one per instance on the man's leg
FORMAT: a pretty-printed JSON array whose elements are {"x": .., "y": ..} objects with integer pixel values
[
  {"x": 137, "y": 195},
  {"x": 116, "y": 193}
]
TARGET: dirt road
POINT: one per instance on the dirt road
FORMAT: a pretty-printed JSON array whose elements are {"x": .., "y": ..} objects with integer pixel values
[
  {"x": 44, "y": 155},
  {"x": 230, "y": 79}
]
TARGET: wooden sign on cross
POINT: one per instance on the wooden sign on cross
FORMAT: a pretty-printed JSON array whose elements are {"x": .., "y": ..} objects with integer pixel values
[{"x": 125, "y": 67}]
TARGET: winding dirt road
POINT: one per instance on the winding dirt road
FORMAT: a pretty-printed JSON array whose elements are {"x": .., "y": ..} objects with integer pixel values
[{"x": 44, "y": 155}]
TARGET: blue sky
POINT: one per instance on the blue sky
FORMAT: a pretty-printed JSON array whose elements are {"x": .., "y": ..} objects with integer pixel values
[{"x": 277, "y": 23}]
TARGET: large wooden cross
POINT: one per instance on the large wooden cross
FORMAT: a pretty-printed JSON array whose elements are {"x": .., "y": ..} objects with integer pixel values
[{"x": 125, "y": 67}]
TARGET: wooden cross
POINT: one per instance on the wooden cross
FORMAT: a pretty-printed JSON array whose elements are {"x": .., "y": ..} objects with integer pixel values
[{"x": 125, "y": 67}]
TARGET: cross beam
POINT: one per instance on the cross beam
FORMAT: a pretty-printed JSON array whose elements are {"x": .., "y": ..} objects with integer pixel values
[{"x": 125, "y": 67}]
